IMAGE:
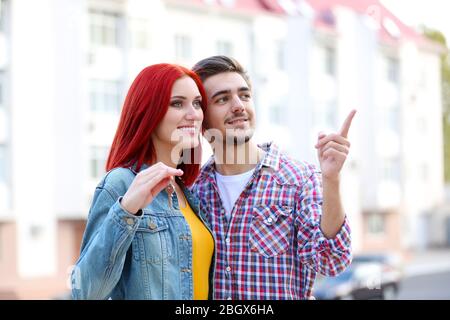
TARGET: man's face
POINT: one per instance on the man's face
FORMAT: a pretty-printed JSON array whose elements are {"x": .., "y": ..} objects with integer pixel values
[{"x": 230, "y": 107}]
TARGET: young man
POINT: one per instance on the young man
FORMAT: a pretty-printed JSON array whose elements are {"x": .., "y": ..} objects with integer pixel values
[{"x": 277, "y": 221}]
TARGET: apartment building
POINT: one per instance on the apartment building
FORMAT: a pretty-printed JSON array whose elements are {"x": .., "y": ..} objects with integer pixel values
[{"x": 65, "y": 67}]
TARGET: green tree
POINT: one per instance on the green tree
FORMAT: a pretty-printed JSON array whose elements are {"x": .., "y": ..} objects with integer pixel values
[{"x": 437, "y": 36}]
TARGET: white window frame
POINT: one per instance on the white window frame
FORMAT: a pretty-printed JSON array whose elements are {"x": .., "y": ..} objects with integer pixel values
[
  {"x": 391, "y": 169},
  {"x": 107, "y": 95},
  {"x": 224, "y": 47},
  {"x": 3, "y": 163},
  {"x": 392, "y": 70},
  {"x": 104, "y": 28},
  {"x": 376, "y": 224},
  {"x": 97, "y": 160},
  {"x": 139, "y": 33},
  {"x": 183, "y": 46},
  {"x": 330, "y": 60},
  {"x": 2, "y": 89}
]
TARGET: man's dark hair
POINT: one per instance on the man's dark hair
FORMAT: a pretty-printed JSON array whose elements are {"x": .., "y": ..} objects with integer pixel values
[{"x": 219, "y": 64}]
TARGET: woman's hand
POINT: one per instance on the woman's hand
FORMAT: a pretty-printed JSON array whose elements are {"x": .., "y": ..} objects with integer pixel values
[{"x": 146, "y": 185}]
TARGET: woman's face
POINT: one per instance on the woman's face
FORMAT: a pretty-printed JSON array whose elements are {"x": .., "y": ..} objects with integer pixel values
[{"x": 180, "y": 128}]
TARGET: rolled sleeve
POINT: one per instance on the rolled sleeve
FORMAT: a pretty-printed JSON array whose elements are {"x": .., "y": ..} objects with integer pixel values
[
  {"x": 340, "y": 243},
  {"x": 329, "y": 257}
]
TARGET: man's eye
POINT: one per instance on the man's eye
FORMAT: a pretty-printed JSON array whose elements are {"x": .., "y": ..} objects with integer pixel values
[
  {"x": 222, "y": 100},
  {"x": 246, "y": 96}
]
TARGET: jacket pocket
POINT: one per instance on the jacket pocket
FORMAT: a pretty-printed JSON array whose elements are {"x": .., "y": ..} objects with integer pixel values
[
  {"x": 150, "y": 242},
  {"x": 270, "y": 231}
]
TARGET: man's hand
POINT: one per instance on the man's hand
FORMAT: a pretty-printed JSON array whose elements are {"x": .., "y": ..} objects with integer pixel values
[{"x": 332, "y": 150}]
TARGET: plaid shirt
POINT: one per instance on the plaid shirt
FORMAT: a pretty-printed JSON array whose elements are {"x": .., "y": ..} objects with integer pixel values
[{"x": 272, "y": 247}]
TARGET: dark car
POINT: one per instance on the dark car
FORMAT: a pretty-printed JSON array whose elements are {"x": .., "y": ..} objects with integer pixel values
[{"x": 369, "y": 276}]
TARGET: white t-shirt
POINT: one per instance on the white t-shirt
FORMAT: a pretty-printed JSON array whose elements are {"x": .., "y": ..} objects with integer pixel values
[{"x": 230, "y": 188}]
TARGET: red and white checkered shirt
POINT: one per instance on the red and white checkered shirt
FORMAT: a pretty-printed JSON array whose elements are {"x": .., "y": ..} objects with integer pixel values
[{"x": 272, "y": 247}]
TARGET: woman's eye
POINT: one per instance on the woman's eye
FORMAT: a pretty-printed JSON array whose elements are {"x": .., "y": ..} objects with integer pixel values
[
  {"x": 176, "y": 104},
  {"x": 197, "y": 104}
]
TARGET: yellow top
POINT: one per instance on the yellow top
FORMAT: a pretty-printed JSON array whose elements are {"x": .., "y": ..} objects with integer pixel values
[{"x": 202, "y": 251}]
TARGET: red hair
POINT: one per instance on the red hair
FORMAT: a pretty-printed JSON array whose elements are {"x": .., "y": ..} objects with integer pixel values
[{"x": 146, "y": 104}]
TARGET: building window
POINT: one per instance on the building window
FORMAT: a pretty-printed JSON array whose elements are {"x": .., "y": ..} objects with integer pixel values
[
  {"x": 183, "y": 47},
  {"x": 391, "y": 170},
  {"x": 139, "y": 34},
  {"x": 279, "y": 47},
  {"x": 1, "y": 242},
  {"x": 324, "y": 115},
  {"x": 376, "y": 224},
  {"x": 98, "y": 161},
  {"x": 104, "y": 29},
  {"x": 423, "y": 79},
  {"x": 3, "y": 164},
  {"x": 392, "y": 70},
  {"x": 275, "y": 115},
  {"x": 2, "y": 15},
  {"x": 390, "y": 118},
  {"x": 425, "y": 172},
  {"x": 2, "y": 89},
  {"x": 330, "y": 61},
  {"x": 422, "y": 125},
  {"x": 105, "y": 96},
  {"x": 224, "y": 48}
]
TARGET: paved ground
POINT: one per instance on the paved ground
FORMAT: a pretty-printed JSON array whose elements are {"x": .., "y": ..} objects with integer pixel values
[
  {"x": 427, "y": 276},
  {"x": 428, "y": 262},
  {"x": 435, "y": 286}
]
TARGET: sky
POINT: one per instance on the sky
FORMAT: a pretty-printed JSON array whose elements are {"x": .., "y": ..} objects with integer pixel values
[{"x": 432, "y": 13}]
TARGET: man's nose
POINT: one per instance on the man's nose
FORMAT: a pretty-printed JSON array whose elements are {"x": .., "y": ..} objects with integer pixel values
[{"x": 237, "y": 105}]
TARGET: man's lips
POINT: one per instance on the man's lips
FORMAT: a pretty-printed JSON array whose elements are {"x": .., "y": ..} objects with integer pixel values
[{"x": 237, "y": 121}]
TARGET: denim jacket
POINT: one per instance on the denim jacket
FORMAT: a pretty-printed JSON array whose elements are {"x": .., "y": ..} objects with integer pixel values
[{"x": 124, "y": 256}]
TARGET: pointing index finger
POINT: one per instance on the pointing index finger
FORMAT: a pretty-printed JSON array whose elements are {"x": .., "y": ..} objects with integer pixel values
[{"x": 346, "y": 126}]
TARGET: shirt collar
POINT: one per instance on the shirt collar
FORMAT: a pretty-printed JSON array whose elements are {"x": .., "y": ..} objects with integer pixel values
[
  {"x": 272, "y": 156},
  {"x": 271, "y": 160}
]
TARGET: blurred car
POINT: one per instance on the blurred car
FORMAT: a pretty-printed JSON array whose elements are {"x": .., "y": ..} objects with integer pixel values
[
  {"x": 392, "y": 268},
  {"x": 370, "y": 276}
]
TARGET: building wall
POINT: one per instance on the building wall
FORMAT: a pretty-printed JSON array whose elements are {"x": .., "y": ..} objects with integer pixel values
[
  {"x": 8, "y": 260},
  {"x": 33, "y": 134},
  {"x": 54, "y": 133}
]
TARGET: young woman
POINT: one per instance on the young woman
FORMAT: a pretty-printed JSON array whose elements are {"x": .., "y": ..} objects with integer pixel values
[{"x": 145, "y": 238}]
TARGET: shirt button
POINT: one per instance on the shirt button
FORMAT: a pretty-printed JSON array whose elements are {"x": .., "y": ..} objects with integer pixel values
[
  {"x": 269, "y": 220},
  {"x": 228, "y": 269},
  {"x": 227, "y": 240},
  {"x": 229, "y": 298},
  {"x": 152, "y": 226},
  {"x": 130, "y": 221}
]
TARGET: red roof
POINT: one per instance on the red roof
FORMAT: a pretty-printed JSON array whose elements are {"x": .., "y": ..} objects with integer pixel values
[
  {"x": 375, "y": 10},
  {"x": 324, "y": 14},
  {"x": 250, "y": 6}
]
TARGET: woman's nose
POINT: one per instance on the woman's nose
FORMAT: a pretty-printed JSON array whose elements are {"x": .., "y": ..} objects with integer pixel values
[{"x": 194, "y": 113}]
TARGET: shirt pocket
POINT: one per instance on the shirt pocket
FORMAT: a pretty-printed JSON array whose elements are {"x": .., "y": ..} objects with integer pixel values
[
  {"x": 151, "y": 243},
  {"x": 270, "y": 231}
]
